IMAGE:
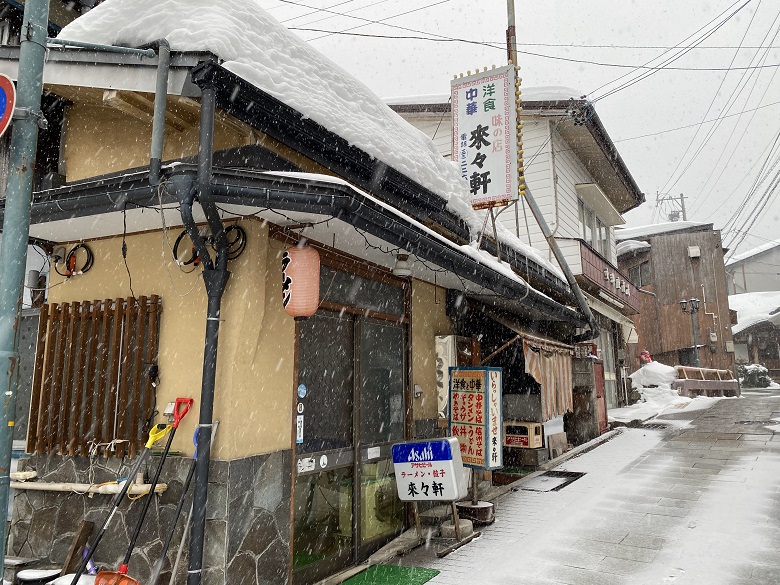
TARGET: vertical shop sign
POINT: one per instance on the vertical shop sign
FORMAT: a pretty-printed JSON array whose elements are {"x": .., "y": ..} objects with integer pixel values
[
  {"x": 475, "y": 415},
  {"x": 484, "y": 139}
]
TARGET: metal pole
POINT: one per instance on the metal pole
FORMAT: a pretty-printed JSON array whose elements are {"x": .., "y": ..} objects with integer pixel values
[
  {"x": 511, "y": 33},
  {"x": 695, "y": 324},
  {"x": 16, "y": 228},
  {"x": 682, "y": 207}
]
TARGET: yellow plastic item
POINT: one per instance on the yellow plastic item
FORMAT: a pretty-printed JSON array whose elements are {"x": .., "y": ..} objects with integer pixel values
[{"x": 157, "y": 433}]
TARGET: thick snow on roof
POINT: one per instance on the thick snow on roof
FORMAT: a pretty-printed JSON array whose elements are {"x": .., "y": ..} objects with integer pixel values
[
  {"x": 754, "y": 308},
  {"x": 544, "y": 93},
  {"x": 257, "y": 48},
  {"x": 643, "y": 231},
  {"x": 753, "y": 252},
  {"x": 629, "y": 246}
]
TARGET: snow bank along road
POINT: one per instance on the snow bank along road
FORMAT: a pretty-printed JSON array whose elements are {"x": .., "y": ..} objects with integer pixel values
[{"x": 695, "y": 503}]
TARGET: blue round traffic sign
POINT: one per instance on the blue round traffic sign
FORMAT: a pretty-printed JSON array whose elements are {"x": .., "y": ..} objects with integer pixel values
[{"x": 7, "y": 102}]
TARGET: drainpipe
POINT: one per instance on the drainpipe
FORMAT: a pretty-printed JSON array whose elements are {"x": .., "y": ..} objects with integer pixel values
[
  {"x": 16, "y": 228},
  {"x": 160, "y": 105},
  {"x": 575, "y": 288},
  {"x": 215, "y": 277}
]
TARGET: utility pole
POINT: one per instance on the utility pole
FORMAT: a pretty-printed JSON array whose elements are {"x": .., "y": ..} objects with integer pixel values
[
  {"x": 674, "y": 205},
  {"x": 16, "y": 227},
  {"x": 511, "y": 33}
]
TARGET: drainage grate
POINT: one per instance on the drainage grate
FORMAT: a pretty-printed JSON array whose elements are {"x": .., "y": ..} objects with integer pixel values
[
  {"x": 757, "y": 422},
  {"x": 551, "y": 481},
  {"x": 655, "y": 426}
]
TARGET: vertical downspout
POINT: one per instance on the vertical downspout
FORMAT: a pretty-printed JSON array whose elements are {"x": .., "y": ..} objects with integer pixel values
[
  {"x": 160, "y": 106},
  {"x": 215, "y": 277},
  {"x": 16, "y": 229}
]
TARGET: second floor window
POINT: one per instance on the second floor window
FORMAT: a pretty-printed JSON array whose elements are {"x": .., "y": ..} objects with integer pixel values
[{"x": 593, "y": 231}]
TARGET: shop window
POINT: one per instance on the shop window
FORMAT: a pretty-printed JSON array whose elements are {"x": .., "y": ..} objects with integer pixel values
[
  {"x": 767, "y": 351},
  {"x": 94, "y": 376}
]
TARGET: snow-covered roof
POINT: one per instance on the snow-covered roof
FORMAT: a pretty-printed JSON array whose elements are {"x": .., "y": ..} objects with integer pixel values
[
  {"x": 644, "y": 231},
  {"x": 545, "y": 93},
  {"x": 259, "y": 49},
  {"x": 629, "y": 246},
  {"x": 755, "y": 308},
  {"x": 753, "y": 252}
]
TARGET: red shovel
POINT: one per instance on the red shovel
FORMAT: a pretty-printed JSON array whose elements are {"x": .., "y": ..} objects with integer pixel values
[{"x": 120, "y": 576}]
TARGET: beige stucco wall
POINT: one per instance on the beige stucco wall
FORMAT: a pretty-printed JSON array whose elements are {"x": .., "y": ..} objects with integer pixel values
[
  {"x": 256, "y": 343},
  {"x": 429, "y": 319},
  {"x": 101, "y": 140}
]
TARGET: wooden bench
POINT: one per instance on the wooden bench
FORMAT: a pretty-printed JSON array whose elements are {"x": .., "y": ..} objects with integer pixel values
[{"x": 692, "y": 382}]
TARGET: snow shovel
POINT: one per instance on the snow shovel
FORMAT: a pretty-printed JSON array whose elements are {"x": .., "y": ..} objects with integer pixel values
[
  {"x": 157, "y": 569},
  {"x": 120, "y": 576},
  {"x": 157, "y": 433}
]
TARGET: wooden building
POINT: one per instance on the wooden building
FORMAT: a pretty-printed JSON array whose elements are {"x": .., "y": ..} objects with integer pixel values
[{"x": 669, "y": 263}]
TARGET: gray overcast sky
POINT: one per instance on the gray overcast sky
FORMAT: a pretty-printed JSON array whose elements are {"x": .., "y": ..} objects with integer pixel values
[{"x": 727, "y": 164}]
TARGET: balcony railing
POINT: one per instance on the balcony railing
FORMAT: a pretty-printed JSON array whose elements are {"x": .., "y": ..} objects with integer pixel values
[{"x": 604, "y": 281}]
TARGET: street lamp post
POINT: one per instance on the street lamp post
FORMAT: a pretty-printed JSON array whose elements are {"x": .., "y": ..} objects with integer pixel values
[{"x": 691, "y": 306}]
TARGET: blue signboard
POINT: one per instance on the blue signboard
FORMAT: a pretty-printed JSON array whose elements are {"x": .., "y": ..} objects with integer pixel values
[{"x": 429, "y": 470}]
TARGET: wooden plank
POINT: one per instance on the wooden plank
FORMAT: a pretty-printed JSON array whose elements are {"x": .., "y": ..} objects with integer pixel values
[
  {"x": 93, "y": 331},
  {"x": 99, "y": 423},
  {"x": 139, "y": 342},
  {"x": 85, "y": 318},
  {"x": 56, "y": 391},
  {"x": 35, "y": 397},
  {"x": 48, "y": 378},
  {"x": 112, "y": 384},
  {"x": 123, "y": 402},
  {"x": 151, "y": 358},
  {"x": 80, "y": 538},
  {"x": 71, "y": 348}
]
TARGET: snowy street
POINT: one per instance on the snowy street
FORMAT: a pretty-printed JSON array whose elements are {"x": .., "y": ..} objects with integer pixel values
[{"x": 695, "y": 503}]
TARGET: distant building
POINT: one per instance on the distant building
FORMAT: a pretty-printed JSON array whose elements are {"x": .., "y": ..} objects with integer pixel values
[
  {"x": 671, "y": 262},
  {"x": 757, "y": 270},
  {"x": 757, "y": 332}
]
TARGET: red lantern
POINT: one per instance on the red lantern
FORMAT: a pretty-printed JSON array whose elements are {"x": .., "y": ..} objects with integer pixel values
[{"x": 300, "y": 281}]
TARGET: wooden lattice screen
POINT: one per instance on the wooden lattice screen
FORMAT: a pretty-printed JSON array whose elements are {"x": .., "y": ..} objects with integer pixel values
[{"x": 93, "y": 377}]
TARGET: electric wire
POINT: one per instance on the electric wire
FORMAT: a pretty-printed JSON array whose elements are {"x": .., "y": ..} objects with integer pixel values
[
  {"x": 713, "y": 129},
  {"x": 712, "y": 101},
  {"x": 684, "y": 50}
]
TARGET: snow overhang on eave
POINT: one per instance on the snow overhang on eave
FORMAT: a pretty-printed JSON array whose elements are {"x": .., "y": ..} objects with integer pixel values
[
  {"x": 71, "y": 67},
  {"x": 590, "y": 141},
  {"x": 251, "y": 105},
  {"x": 57, "y": 210}
]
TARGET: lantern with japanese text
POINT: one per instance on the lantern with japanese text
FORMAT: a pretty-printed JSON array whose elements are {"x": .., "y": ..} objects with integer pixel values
[{"x": 300, "y": 281}]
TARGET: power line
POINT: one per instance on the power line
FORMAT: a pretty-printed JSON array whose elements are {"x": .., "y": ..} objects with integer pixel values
[
  {"x": 529, "y": 53},
  {"x": 712, "y": 102},
  {"x": 668, "y": 60},
  {"x": 712, "y": 130},
  {"x": 696, "y": 124}
]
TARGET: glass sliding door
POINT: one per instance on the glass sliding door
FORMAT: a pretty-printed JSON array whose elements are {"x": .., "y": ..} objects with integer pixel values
[{"x": 350, "y": 409}]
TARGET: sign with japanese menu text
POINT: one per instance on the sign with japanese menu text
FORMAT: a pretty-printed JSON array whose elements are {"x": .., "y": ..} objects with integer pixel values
[
  {"x": 429, "y": 470},
  {"x": 475, "y": 415},
  {"x": 484, "y": 139}
]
